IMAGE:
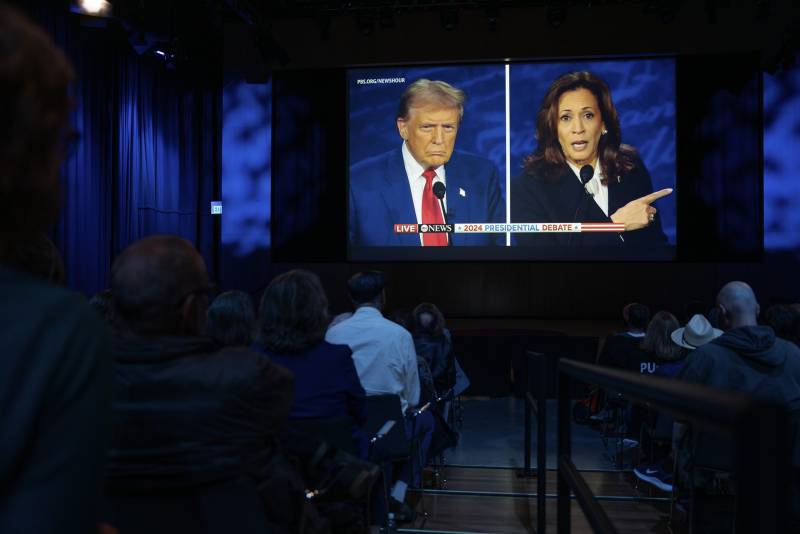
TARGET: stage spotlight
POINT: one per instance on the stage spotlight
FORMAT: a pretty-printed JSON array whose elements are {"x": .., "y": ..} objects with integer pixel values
[{"x": 94, "y": 8}]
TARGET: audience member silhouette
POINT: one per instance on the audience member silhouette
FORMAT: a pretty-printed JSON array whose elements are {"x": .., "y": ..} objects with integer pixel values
[
  {"x": 783, "y": 318},
  {"x": 385, "y": 357},
  {"x": 211, "y": 415},
  {"x": 433, "y": 343},
  {"x": 657, "y": 344},
  {"x": 293, "y": 318},
  {"x": 749, "y": 359},
  {"x": 55, "y": 373},
  {"x": 232, "y": 319},
  {"x": 622, "y": 350},
  {"x": 657, "y": 465}
]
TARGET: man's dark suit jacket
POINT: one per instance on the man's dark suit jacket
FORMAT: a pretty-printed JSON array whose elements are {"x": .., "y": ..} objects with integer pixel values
[
  {"x": 558, "y": 196},
  {"x": 380, "y": 198}
]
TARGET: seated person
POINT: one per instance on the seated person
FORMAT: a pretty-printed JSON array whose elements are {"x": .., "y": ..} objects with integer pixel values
[
  {"x": 656, "y": 467},
  {"x": 385, "y": 358},
  {"x": 784, "y": 320},
  {"x": 55, "y": 369},
  {"x": 231, "y": 319},
  {"x": 186, "y": 412},
  {"x": 750, "y": 359},
  {"x": 619, "y": 348},
  {"x": 293, "y": 317},
  {"x": 432, "y": 342},
  {"x": 657, "y": 346}
]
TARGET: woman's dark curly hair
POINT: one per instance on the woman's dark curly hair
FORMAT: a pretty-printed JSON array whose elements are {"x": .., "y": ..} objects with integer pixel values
[
  {"x": 293, "y": 314},
  {"x": 616, "y": 158},
  {"x": 428, "y": 319}
]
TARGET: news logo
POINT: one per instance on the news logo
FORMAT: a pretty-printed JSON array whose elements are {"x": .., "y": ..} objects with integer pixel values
[{"x": 435, "y": 228}]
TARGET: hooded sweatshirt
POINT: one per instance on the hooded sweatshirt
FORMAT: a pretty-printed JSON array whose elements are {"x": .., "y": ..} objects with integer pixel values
[{"x": 750, "y": 360}]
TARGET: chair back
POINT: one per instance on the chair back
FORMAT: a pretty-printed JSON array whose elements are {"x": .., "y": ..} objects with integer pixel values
[
  {"x": 382, "y": 408},
  {"x": 335, "y": 431},
  {"x": 216, "y": 509}
]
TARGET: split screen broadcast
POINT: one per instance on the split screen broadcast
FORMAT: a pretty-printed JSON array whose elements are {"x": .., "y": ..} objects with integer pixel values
[{"x": 567, "y": 160}]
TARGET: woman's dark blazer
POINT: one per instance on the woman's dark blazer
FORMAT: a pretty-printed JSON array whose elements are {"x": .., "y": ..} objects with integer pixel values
[{"x": 541, "y": 197}]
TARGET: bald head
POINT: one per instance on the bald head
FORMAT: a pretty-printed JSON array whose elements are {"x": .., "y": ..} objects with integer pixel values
[
  {"x": 159, "y": 285},
  {"x": 738, "y": 304}
]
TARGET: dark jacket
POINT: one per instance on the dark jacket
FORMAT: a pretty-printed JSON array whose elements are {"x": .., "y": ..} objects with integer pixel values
[
  {"x": 55, "y": 407},
  {"x": 326, "y": 386},
  {"x": 544, "y": 195},
  {"x": 622, "y": 351},
  {"x": 749, "y": 360},
  {"x": 438, "y": 352},
  {"x": 187, "y": 412},
  {"x": 326, "y": 382}
]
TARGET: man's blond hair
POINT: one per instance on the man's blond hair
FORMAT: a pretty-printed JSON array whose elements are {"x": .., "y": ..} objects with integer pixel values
[{"x": 425, "y": 91}]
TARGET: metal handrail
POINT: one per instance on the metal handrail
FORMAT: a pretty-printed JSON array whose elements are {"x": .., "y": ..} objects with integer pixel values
[
  {"x": 759, "y": 430},
  {"x": 539, "y": 406}
]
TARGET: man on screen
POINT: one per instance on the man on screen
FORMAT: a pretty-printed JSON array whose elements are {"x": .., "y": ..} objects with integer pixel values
[{"x": 398, "y": 187}]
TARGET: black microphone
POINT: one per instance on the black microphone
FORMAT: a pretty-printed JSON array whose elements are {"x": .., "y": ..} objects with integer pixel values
[
  {"x": 439, "y": 190},
  {"x": 586, "y": 174}
]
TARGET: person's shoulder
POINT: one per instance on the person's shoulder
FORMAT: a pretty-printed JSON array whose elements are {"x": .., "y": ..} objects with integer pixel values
[
  {"x": 471, "y": 160},
  {"x": 375, "y": 162},
  {"x": 245, "y": 363},
  {"x": 792, "y": 350},
  {"x": 538, "y": 174},
  {"x": 38, "y": 294},
  {"x": 334, "y": 350},
  {"x": 57, "y": 311}
]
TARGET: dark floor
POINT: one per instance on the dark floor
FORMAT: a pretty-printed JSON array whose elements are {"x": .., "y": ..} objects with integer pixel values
[{"x": 492, "y": 436}]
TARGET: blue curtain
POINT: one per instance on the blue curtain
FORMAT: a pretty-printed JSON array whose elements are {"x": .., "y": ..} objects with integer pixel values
[{"x": 148, "y": 158}]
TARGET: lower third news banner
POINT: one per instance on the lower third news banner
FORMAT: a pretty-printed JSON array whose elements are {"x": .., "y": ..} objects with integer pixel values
[{"x": 503, "y": 228}]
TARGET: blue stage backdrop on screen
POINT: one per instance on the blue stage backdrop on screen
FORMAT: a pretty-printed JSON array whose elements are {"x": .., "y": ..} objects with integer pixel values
[
  {"x": 373, "y": 109},
  {"x": 644, "y": 95},
  {"x": 781, "y": 180}
]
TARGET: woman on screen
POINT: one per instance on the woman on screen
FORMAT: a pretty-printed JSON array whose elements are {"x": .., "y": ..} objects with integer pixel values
[{"x": 581, "y": 172}]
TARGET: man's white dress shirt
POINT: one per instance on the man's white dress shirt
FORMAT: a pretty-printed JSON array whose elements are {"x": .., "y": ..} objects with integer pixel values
[{"x": 383, "y": 353}]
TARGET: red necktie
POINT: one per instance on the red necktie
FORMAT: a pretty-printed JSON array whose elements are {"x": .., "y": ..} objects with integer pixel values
[{"x": 431, "y": 212}]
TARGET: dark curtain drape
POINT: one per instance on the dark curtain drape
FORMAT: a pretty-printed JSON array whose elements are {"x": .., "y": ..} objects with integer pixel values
[{"x": 147, "y": 161}]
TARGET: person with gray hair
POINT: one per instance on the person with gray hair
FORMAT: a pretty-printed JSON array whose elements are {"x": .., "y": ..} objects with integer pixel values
[{"x": 399, "y": 186}]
